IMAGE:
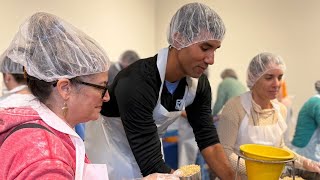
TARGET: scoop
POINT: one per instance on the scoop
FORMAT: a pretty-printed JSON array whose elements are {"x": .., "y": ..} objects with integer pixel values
[{"x": 189, "y": 172}]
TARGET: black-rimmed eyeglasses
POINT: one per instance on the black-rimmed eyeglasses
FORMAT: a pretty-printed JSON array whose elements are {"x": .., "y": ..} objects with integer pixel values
[{"x": 103, "y": 88}]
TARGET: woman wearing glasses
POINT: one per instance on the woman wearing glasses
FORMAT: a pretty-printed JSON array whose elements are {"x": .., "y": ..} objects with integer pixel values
[
  {"x": 67, "y": 73},
  {"x": 80, "y": 128}
]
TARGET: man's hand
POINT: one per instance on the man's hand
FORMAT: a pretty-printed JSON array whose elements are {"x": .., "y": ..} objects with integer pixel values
[{"x": 218, "y": 162}]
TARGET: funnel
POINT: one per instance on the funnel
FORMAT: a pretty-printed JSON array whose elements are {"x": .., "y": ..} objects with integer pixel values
[{"x": 264, "y": 162}]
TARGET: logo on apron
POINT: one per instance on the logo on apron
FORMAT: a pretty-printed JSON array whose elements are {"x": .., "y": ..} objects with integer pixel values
[{"x": 179, "y": 104}]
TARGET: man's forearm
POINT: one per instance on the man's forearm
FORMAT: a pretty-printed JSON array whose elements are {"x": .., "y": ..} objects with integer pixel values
[{"x": 218, "y": 161}]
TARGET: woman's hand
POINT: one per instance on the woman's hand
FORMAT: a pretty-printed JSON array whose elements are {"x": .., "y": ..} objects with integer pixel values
[{"x": 311, "y": 166}]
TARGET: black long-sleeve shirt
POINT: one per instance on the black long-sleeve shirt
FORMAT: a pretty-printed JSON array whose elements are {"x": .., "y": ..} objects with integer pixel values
[{"x": 134, "y": 95}]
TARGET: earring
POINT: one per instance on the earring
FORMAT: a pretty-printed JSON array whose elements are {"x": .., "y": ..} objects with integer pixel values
[{"x": 64, "y": 109}]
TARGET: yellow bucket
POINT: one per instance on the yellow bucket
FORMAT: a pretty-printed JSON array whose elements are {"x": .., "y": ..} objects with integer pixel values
[{"x": 263, "y": 170}]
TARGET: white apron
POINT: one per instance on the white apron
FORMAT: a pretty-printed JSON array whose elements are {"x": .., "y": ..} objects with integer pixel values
[
  {"x": 113, "y": 147},
  {"x": 14, "y": 90},
  {"x": 312, "y": 149},
  {"x": 83, "y": 171},
  {"x": 7, "y": 93},
  {"x": 16, "y": 100},
  {"x": 13, "y": 99},
  {"x": 265, "y": 135},
  {"x": 187, "y": 145}
]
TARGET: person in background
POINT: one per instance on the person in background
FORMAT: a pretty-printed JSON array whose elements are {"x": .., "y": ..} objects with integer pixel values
[
  {"x": 291, "y": 120},
  {"x": 256, "y": 117},
  {"x": 17, "y": 93},
  {"x": 228, "y": 88},
  {"x": 151, "y": 94},
  {"x": 66, "y": 71},
  {"x": 128, "y": 57},
  {"x": 306, "y": 140}
]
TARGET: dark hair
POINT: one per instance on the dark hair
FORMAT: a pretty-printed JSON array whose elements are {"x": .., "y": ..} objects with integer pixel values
[
  {"x": 317, "y": 86},
  {"x": 39, "y": 88},
  {"x": 129, "y": 57},
  {"x": 19, "y": 78},
  {"x": 42, "y": 89}
]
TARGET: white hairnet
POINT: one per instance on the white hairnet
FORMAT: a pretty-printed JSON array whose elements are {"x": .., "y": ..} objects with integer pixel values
[
  {"x": 50, "y": 49},
  {"x": 261, "y": 64},
  {"x": 317, "y": 86},
  {"x": 193, "y": 23},
  {"x": 8, "y": 66}
]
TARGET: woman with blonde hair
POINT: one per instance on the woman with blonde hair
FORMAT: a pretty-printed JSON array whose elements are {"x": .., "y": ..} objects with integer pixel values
[{"x": 256, "y": 117}]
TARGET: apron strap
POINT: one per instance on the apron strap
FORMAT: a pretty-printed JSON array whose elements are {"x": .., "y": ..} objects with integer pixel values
[
  {"x": 246, "y": 101},
  {"x": 27, "y": 125}
]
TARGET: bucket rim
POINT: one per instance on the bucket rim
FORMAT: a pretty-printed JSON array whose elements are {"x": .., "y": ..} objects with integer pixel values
[{"x": 243, "y": 148}]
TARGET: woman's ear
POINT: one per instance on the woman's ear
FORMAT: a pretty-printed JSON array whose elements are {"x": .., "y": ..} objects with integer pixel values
[
  {"x": 64, "y": 88},
  {"x": 7, "y": 77}
]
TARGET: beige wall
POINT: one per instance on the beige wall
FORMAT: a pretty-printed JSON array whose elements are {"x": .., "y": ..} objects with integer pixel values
[
  {"x": 289, "y": 28},
  {"x": 116, "y": 25}
]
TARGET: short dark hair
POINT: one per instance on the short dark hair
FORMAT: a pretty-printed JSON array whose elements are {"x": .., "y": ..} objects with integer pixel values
[
  {"x": 42, "y": 89},
  {"x": 39, "y": 88},
  {"x": 129, "y": 57},
  {"x": 19, "y": 78},
  {"x": 317, "y": 86}
]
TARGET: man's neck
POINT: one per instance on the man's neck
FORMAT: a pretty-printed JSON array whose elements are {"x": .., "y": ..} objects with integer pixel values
[{"x": 173, "y": 69}]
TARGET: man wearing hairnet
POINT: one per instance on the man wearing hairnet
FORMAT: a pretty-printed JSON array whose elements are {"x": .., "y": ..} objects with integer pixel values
[{"x": 150, "y": 94}]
